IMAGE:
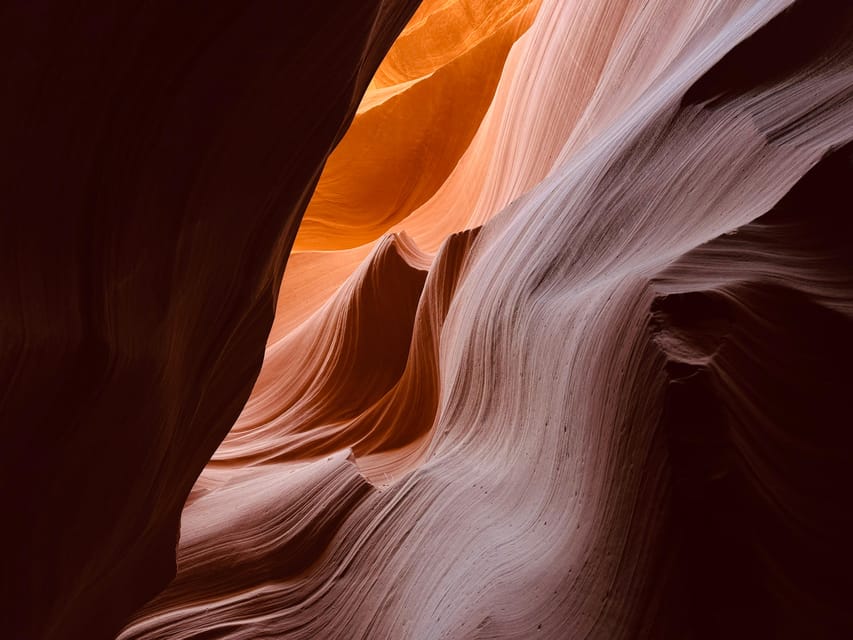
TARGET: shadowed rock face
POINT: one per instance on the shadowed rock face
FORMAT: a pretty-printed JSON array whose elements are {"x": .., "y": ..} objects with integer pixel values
[
  {"x": 758, "y": 414},
  {"x": 563, "y": 352},
  {"x": 159, "y": 160}
]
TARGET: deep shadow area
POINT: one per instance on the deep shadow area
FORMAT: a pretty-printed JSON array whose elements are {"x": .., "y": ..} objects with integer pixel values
[{"x": 758, "y": 417}]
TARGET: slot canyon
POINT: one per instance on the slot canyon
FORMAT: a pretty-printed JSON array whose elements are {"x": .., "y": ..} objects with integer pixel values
[{"x": 427, "y": 319}]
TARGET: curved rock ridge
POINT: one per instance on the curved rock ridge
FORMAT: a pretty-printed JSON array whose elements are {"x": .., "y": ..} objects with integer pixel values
[
  {"x": 362, "y": 374},
  {"x": 159, "y": 158},
  {"x": 336, "y": 366},
  {"x": 440, "y": 75},
  {"x": 615, "y": 410}
]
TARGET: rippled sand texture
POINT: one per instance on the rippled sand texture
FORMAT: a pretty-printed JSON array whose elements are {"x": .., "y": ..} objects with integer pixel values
[{"x": 595, "y": 382}]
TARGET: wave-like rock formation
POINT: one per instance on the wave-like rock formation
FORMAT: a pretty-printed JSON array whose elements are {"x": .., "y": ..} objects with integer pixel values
[
  {"x": 562, "y": 350},
  {"x": 442, "y": 72},
  {"x": 364, "y": 373}
]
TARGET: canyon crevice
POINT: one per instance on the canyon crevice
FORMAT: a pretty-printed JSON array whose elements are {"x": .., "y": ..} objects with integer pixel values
[{"x": 453, "y": 319}]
